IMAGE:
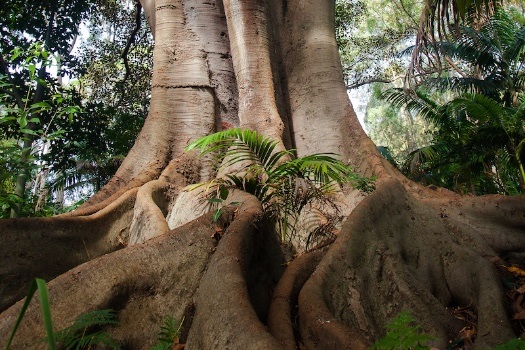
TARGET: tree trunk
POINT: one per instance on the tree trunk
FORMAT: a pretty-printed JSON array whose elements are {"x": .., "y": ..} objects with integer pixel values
[{"x": 271, "y": 66}]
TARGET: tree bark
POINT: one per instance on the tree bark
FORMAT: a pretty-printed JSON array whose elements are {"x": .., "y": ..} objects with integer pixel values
[{"x": 272, "y": 66}]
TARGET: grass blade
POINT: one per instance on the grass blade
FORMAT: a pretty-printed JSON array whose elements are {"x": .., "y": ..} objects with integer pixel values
[
  {"x": 46, "y": 312},
  {"x": 40, "y": 285}
]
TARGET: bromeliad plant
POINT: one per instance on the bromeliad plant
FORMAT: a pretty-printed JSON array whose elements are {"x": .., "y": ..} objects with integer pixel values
[{"x": 283, "y": 183}]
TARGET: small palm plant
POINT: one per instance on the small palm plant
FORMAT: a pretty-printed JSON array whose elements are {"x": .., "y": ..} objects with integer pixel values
[{"x": 283, "y": 183}]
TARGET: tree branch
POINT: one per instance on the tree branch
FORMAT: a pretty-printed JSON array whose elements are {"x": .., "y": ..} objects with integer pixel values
[
  {"x": 403, "y": 7},
  {"x": 131, "y": 39},
  {"x": 369, "y": 81},
  {"x": 455, "y": 67}
]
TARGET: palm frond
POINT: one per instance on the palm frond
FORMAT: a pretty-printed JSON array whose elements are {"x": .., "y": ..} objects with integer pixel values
[
  {"x": 415, "y": 102},
  {"x": 283, "y": 184},
  {"x": 253, "y": 185},
  {"x": 426, "y": 154},
  {"x": 441, "y": 19},
  {"x": 322, "y": 168},
  {"x": 520, "y": 150},
  {"x": 478, "y": 107},
  {"x": 463, "y": 85},
  {"x": 516, "y": 48},
  {"x": 238, "y": 145},
  {"x": 440, "y": 16},
  {"x": 479, "y": 48}
]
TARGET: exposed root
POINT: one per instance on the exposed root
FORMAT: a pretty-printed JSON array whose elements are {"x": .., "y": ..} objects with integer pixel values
[
  {"x": 48, "y": 247},
  {"x": 115, "y": 189},
  {"x": 402, "y": 247},
  {"x": 396, "y": 253},
  {"x": 282, "y": 313},
  {"x": 186, "y": 207},
  {"x": 150, "y": 211},
  {"x": 144, "y": 284},
  {"x": 319, "y": 328},
  {"x": 224, "y": 316}
]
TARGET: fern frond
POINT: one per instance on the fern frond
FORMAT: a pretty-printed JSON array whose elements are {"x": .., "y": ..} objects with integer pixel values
[
  {"x": 170, "y": 332},
  {"x": 90, "y": 340},
  {"x": 84, "y": 332}
]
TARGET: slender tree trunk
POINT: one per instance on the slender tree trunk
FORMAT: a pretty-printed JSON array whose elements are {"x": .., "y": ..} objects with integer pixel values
[
  {"x": 23, "y": 176},
  {"x": 27, "y": 142},
  {"x": 272, "y": 66}
]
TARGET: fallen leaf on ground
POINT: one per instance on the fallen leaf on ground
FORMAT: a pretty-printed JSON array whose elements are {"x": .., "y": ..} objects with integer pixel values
[{"x": 515, "y": 270}]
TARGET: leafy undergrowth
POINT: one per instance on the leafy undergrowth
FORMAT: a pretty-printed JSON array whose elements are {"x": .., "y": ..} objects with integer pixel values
[{"x": 403, "y": 333}]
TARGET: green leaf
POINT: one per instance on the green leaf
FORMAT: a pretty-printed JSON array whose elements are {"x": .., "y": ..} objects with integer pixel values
[
  {"x": 238, "y": 145},
  {"x": 29, "y": 132},
  {"x": 32, "y": 70},
  {"x": 15, "y": 53},
  {"x": 46, "y": 312},
  {"x": 223, "y": 192},
  {"x": 41, "y": 82},
  {"x": 214, "y": 200},
  {"x": 22, "y": 121},
  {"x": 41, "y": 105},
  {"x": 217, "y": 214}
]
